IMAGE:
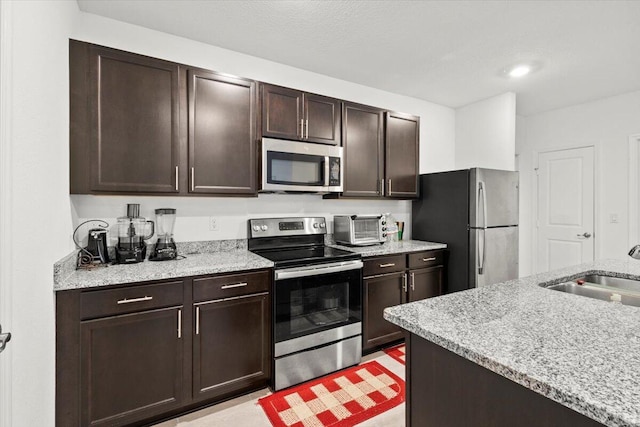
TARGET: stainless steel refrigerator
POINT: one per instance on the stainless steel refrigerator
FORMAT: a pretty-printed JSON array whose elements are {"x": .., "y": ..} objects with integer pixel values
[{"x": 475, "y": 212}]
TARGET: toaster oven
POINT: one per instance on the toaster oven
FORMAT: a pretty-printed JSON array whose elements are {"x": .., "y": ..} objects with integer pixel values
[{"x": 359, "y": 230}]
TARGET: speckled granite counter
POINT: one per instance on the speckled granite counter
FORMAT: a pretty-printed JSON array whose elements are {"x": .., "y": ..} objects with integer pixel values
[
  {"x": 192, "y": 265},
  {"x": 390, "y": 248},
  {"x": 580, "y": 352}
]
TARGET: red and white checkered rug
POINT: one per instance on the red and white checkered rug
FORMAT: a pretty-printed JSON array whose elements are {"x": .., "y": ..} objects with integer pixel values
[
  {"x": 397, "y": 353},
  {"x": 342, "y": 399}
]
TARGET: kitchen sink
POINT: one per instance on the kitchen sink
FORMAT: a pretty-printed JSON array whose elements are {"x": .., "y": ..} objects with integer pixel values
[{"x": 605, "y": 288}]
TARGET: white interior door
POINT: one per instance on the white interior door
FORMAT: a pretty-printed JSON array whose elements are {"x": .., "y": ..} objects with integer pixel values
[{"x": 565, "y": 221}]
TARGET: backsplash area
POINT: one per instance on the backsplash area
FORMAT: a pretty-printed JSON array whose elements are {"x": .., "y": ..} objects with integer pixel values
[{"x": 216, "y": 218}]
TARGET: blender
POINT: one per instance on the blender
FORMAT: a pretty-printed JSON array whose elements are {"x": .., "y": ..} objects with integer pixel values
[
  {"x": 165, "y": 246},
  {"x": 131, "y": 246}
]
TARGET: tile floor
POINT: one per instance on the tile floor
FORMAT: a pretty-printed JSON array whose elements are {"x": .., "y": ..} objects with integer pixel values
[{"x": 245, "y": 411}]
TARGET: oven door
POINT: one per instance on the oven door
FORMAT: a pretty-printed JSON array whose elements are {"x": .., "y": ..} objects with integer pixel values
[{"x": 321, "y": 300}]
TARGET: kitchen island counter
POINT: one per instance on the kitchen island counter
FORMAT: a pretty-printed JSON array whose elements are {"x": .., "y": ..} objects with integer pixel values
[{"x": 576, "y": 351}]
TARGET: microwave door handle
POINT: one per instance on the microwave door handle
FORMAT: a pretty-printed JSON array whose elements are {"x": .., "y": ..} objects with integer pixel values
[{"x": 326, "y": 171}]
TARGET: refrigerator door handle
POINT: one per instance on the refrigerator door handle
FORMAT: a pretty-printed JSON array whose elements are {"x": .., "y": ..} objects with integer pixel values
[
  {"x": 482, "y": 248},
  {"x": 482, "y": 199}
]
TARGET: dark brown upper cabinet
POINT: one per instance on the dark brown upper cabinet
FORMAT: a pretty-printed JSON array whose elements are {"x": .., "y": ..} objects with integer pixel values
[
  {"x": 222, "y": 133},
  {"x": 292, "y": 114},
  {"x": 402, "y": 155},
  {"x": 124, "y": 121},
  {"x": 363, "y": 143}
]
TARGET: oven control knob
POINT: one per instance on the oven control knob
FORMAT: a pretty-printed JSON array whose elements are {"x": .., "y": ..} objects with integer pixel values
[
  {"x": 264, "y": 227},
  {"x": 256, "y": 228},
  {"x": 384, "y": 228},
  {"x": 315, "y": 225},
  {"x": 323, "y": 225},
  {"x": 384, "y": 222}
]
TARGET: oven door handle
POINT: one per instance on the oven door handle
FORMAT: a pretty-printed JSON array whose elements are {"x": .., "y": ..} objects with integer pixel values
[{"x": 316, "y": 270}]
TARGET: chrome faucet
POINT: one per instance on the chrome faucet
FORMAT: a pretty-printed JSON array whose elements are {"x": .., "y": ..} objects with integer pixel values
[{"x": 635, "y": 252}]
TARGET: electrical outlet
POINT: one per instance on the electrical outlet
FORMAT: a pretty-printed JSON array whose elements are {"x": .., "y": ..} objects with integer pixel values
[{"x": 213, "y": 223}]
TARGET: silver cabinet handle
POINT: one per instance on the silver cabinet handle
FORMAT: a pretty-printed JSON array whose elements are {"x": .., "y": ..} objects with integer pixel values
[
  {"x": 389, "y": 187},
  {"x": 429, "y": 259},
  {"x": 179, "y": 323},
  {"x": 129, "y": 301},
  {"x": 413, "y": 282},
  {"x": 307, "y": 129},
  {"x": 193, "y": 179},
  {"x": 391, "y": 264},
  {"x": 585, "y": 235},
  {"x": 404, "y": 282},
  {"x": 301, "y": 128},
  {"x": 197, "y": 320},
  {"x": 176, "y": 178},
  {"x": 237, "y": 285}
]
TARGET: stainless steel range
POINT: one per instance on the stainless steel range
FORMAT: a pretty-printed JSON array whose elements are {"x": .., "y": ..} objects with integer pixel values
[{"x": 317, "y": 307}]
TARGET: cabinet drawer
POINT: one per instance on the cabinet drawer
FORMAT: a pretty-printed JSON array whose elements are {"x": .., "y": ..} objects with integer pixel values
[
  {"x": 426, "y": 259},
  {"x": 217, "y": 287},
  {"x": 384, "y": 264},
  {"x": 134, "y": 298}
]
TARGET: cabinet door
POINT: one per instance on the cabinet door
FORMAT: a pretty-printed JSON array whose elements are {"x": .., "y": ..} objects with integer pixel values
[
  {"x": 402, "y": 155},
  {"x": 222, "y": 124},
  {"x": 425, "y": 283},
  {"x": 131, "y": 366},
  {"x": 362, "y": 139},
  {"x": 322, "y": 117},
  {"x": 231, "y": 345},
  {"x": 134, "y": 105},
  {"x": 281, "y": 112},
  {"x": 381, "y": 292}
]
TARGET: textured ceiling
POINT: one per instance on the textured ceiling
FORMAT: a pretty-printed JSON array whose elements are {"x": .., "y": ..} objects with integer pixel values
[{"x": 448, "y": 52}]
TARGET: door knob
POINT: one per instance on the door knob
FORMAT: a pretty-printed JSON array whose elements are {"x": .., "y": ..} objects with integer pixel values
[
  {"x": 586, "y": 235},
  {"x": 4, "y": 339}
]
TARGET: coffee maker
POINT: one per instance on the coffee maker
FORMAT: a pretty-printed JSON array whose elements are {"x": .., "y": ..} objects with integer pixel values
[
  {"x": 132, "y": 234},
  {"x": 165, "y": 248}
]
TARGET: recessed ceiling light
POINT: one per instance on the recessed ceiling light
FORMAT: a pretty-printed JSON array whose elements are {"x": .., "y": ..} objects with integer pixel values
[{"x": 519, "y": 71}]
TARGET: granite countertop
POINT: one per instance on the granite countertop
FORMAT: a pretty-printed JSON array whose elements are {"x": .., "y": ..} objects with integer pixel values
[
  {"x": 581, "y": 352},
  {"x": 192, "y": 265},
  {"x": 209, "y": 257},
  {"x": 390, "y": 248}
]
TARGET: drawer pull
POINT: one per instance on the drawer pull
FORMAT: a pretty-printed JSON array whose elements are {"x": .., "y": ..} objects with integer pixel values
[
  {"x": 237, "y": 285},
  {"x": 391, "y": 264},
  {"x": 429, "y": 259},
  {"x": 179, "y": 323},
  {"x": 128, "y": 301}
]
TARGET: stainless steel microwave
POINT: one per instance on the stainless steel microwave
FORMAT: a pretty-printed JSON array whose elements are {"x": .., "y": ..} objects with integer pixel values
[{"x": 293, "y": 166}]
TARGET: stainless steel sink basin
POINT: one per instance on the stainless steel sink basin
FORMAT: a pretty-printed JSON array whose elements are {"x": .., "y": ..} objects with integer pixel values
[{"x": 605, "y": 288}]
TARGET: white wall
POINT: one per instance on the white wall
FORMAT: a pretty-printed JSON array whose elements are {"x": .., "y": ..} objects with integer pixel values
[
  {"x": 39, "y": 210},
  {"x": 486, "y": 132},
  {"x": 605, "y": 124},
  {"x": 436, "y": 134},
  {"x": 42, "y": 211}
]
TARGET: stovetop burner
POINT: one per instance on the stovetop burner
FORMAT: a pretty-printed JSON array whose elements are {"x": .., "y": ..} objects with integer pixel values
[
  {"x": 293, "y": 241},
  {"x": 305, "y": 255}
]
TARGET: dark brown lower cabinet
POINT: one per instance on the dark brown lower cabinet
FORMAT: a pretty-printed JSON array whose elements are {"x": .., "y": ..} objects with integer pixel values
[
  {"x": 231, "y": 345},
  {"x": 444, "y": 389},
  {"x": 425, "y": 283},
  {"x": 381, "y": 292},
  {"x": 132, "y": 355},
  {"x": 396, "y": 279},
  {"x": 131, "y": 366}
]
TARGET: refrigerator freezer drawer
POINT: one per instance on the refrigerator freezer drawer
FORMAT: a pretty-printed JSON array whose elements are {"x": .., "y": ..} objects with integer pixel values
[{"x": 494, "y": 255}]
